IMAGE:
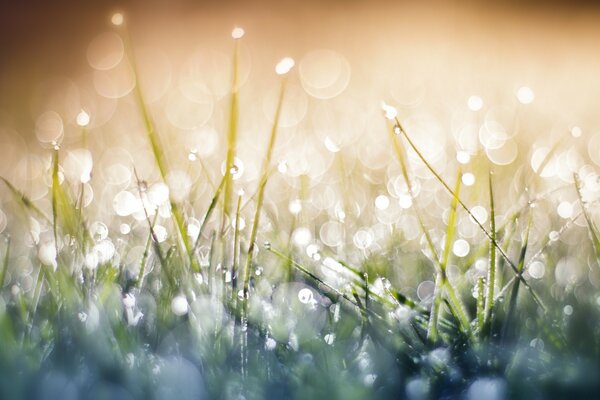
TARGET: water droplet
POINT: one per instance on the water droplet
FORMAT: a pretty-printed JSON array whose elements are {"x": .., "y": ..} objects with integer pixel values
[
  {"x": 305, "y": 296},
  {"x": 179, "y": 305},
  {"x": 284, "y": 66},
  {"x": 237, "y": 33},
  {"x": 397, "y": 129},
  {"x": 329, "y": 338},
  {"x": 99, "y": 231},
  {"x": 117, "y": 19},
  {"x": 270, "y": 344},
  {"x": 267, "y": 245},
  {"x": 82, "y": 316},
  {"x": 242, "y": 296}
]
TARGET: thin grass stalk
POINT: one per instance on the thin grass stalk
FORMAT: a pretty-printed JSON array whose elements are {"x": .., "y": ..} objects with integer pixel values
[
  {"x": 211, "y": 208},
  {"x": 144, "y": 260},
  {"x": 232, "y": 134},
  {"x": 480, "y": 305},
  {"x": 236, "y": 248},
  {"x": 491, "y": 277},
  {"x": 262, "y": 184},
  {"x": 512, "y": 305},
  {"x": 5, "y": 262},
  {"x": 155, "y": 145},
  {"x": 591, "y": 228}
]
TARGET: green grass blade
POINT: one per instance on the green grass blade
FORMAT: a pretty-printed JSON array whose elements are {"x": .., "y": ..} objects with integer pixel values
[
  {"x": 5, "y": 263},
  {"x": 591, "y": 228},
  {"x": 25, "y": 201},
  {"x": 232, "y": 133},
  {"x": 263, "y": 183},
  {"x": 480, "y": 305},
  {"x": 213, "y": 204},
  {"x": 512, "y": 305},
  {"x": 491, "y": 277}
]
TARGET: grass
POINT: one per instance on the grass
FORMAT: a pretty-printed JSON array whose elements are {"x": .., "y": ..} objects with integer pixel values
[{"x": 338, "y": 321}]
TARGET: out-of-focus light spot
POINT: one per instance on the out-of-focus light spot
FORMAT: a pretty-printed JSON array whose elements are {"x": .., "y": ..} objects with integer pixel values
[
  {"x": 538, "y": 158},
  {"x": 332, "y": 233},
  {"x": 324, "y": 74},
  {"x": 295, "y": 206},
  {"x": 83, "y": 118},
  {"x": 480, "y": 214},
  {"x": 160, "y": 232},
  {"x": 237, "y": 33},
  {"x": 568, "y": 309},
  {"x": 125, "y": 203},
  {"x": 284, "y": 66},
  {"x": 363, "y": 239},
  {"x": 565, "y": 209},
  {"x": 49, "y": 127},
  {"x": 475, "y": 103},
  {"x": 468, "y": 179},
  {"x": 105, "y": 51},
  {"x": 525, "y": 95},
  {"x": 301, "y": 236},
  {"x": 576, "y": 131},
  {"x": 425, "y": 290},
  {"x": 405, "y": 201},
  {"x": 312, "y": 250},
  {"x": 117, "y": 19},
  {"x": 305, "y": 295},
  {"x": 463, "y": 157},
  {"x": 553, "y": 236},
  {"x": 537, "y": 269},
  {"x": 461, "y": 248},
  {"x": 382, "y": 202},
  {"x": 179, "y": 305},
  {"x": 503, "y": 155},
  {"x": 331, "y": 145},
  {"x": 78, "y": 165},
  {"x": 390, "y": 112},
  {"x": 124, "y": 229},
  {"x": 180, "y": 185}
]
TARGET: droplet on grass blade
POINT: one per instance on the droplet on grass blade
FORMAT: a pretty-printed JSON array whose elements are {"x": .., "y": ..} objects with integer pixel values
[
  {"x": 117, "y": 19},
  {"x": 305, "y": 296},
  {"x": 284, "y": 66},
  {"x": 390, "y": 112},
  {"x": 47, "y": 254},
  {"x": 83, "y": 118},
  {"x": 237, "y": 33},
  {"x": 179, "y": 305}
]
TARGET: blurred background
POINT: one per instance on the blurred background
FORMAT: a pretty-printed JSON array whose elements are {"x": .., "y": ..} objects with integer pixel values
[{"x": 475, "y": 84}]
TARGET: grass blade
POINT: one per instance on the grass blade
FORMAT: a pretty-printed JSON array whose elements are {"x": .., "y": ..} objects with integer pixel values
[
  {"x": 491, "y": 277},
  {"x": 263, "y": 183},
  {"x": 591, "y": 228}
]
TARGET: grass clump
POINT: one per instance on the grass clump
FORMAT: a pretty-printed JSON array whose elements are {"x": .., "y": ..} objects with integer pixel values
[{"x": 147, "y": 311}]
